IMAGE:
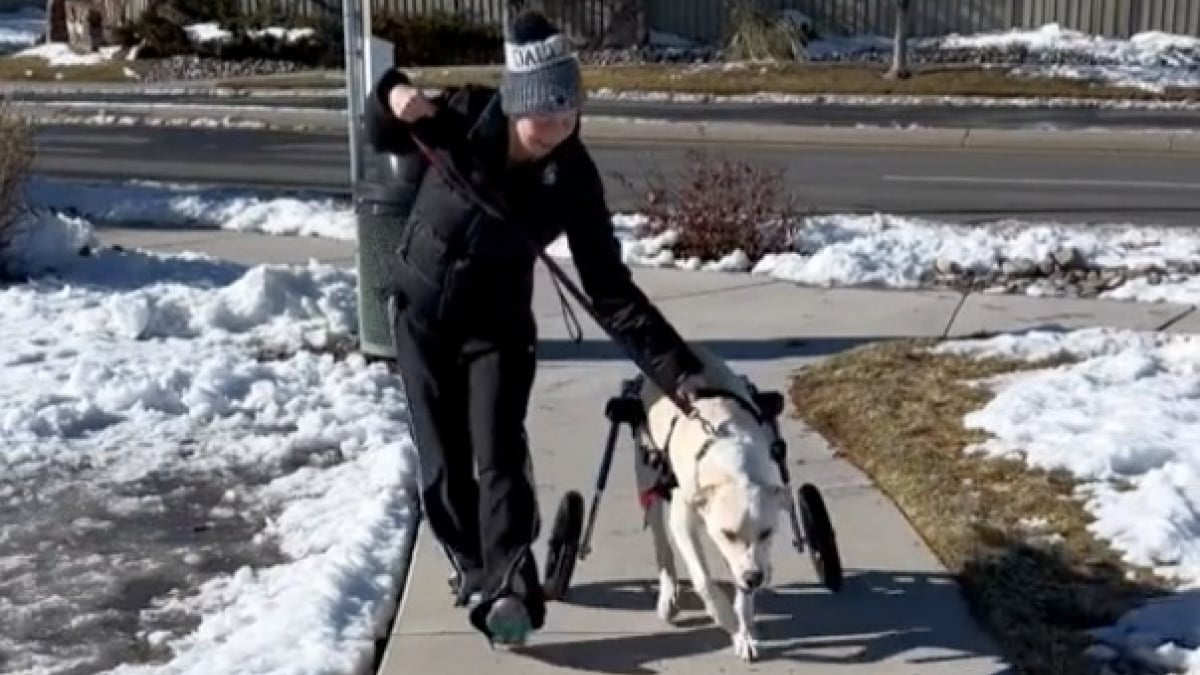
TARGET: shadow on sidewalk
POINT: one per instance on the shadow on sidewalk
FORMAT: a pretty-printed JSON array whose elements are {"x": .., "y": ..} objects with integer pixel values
[
  {"x": 731, "y": 349},
  {"x": 878, "y": 616}
]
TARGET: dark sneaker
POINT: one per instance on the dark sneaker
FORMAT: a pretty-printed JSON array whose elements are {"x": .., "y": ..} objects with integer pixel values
[
  {"x": 504, "y": 621},
  {"x": 508, "y": 622}
]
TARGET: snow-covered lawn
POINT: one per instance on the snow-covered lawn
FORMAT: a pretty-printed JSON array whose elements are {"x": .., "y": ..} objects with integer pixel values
[
  {"x": 167, "y": 493},
  {"x": 19, "y": 30},
  {"x": 1152, "y": 60},
  {"x": 836, "y": 250},
  {"x": 1124, "y": 419}
]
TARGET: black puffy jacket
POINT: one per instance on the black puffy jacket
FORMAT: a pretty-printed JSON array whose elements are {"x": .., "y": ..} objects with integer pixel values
[{"x": 462, "y": 272}]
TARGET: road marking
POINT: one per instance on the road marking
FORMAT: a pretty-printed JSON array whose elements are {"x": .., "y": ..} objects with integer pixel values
[{"x": 1074, "y": 182}]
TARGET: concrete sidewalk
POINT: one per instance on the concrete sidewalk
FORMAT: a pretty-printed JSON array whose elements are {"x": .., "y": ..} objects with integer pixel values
[{"x": 899, "y": 611}]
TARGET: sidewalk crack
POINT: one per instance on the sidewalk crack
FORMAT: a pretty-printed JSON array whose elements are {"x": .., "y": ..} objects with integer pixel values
[
  {"x": 1176, "y": 319},
  {"x": 962, "y": 300}
]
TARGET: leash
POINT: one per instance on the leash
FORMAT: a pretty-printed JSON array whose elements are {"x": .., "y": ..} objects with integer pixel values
[{"x": 452, "y": 176}]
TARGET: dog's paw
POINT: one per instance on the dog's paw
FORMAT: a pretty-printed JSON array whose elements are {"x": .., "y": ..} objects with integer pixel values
[
  {"x": 668, "y": 598},
  {"x": 745, "y": 646}
]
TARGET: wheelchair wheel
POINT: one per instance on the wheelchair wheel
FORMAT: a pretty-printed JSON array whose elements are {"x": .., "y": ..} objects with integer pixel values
[
  {"x": 563, "y": 546},
  {"x": 822, "y": 542}
]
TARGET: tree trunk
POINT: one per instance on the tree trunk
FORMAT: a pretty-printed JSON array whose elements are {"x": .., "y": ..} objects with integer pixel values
[
  {"x": 56, "y": 21},
  {"x": 899, "y": 70}
]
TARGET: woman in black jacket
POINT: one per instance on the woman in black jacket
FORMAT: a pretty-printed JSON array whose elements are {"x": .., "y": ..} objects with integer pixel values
[{"x": 463, "y": 323}]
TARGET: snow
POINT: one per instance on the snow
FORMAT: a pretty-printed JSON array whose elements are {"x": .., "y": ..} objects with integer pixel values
[
  {"x": 899, "y": 252},
  {"x": 1144, "y": 48},
  {"x": 1126, "y": 410},
  {"x": 178, "y": 205},
  {"x": 1151, "y": 60},
  {"x": 1052, "y": 102},
  {"x": 44, "y": 241},
  {"x": 21, "y": 28},
  {"x": 61, "y": 54},
  {"x": 835, "y": 250},
  {"x": 201, "y": 33},
  {"x": 135, "y": 408}
]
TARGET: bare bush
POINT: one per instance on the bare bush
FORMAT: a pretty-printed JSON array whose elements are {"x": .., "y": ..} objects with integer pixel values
[
  {"x": 16, "y": 157},
  {"x": 718, "y": 205},
  {"x": 757, "y": 36}
]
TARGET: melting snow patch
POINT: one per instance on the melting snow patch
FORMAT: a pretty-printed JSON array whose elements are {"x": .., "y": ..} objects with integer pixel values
[
  {"x": 1122, "y": 418},
  {"x": 204, "y": 483}
]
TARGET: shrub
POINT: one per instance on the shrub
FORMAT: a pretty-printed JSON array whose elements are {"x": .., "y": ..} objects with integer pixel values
[
  {"x": 440, "y": 39},
  {"x": 159, "y": 37},
  {"x": 159, "y": 29},
  {"x": 755, "y": 36},
  {"x": 716, "y": 206},
  {"x": 16, "y": 156}
]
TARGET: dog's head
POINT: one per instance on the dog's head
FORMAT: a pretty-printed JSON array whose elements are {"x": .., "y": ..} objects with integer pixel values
[{"x": 741, "y": 518}]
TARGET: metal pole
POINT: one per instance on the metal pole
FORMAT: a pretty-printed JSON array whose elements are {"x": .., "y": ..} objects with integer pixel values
[
  {"x": 352, "y": 30},
  {"x": 382, "y": 185}
]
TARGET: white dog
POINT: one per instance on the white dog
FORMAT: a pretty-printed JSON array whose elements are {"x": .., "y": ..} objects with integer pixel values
[{"x": 728, "y": 486}]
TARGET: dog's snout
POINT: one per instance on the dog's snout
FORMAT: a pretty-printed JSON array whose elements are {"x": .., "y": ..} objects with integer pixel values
[{"x": 752, "y": 579}]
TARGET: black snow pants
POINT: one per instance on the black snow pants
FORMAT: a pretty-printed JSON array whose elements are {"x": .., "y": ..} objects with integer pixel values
[{"x": 468, "y": 400}]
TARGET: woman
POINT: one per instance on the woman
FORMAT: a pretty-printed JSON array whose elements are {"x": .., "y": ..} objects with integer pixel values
[{"x": 464, "y": 326}]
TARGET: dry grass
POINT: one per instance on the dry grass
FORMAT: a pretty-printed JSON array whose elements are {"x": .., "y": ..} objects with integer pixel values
[
  {"x": 786, "y": 78},
  {"x": 32, "y": 69},
  {"x": 896, "y": 411},
  {"x": 802, "y": 78},
  {"x": 307, "y": 80},
  {"x": 16, "y": 157}
]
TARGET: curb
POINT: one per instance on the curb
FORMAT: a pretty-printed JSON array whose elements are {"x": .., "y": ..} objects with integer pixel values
[
  {"x": 636, "y": 130},
  {"x": 741, "y": 133},
  {"x": 338, "y": 91}
]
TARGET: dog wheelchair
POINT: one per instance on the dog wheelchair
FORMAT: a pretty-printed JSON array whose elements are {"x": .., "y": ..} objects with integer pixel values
[{"x": 570, "y": 536}]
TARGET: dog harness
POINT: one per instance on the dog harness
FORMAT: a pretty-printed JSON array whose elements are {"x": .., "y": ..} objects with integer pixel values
[{"x": 657, "y": 458}]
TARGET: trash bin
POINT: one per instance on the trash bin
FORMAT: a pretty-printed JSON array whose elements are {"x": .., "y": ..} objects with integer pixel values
[{"x": 382, "y": 202}]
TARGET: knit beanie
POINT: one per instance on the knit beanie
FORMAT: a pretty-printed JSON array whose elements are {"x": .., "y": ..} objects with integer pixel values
[{"x": 541, "y": 73}]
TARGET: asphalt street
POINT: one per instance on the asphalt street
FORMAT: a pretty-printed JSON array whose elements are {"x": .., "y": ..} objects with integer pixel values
[
  {"x": 975, "y": 116},
  {"x": 952, "y": 184}
]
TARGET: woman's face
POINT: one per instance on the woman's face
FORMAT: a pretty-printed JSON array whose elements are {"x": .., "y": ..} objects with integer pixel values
[{"x": 539, "y": 134}]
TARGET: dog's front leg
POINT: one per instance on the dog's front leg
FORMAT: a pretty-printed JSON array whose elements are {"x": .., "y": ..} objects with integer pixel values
[
  {"x": 668, "y": 579},
  {"x": 745, "y": 642},
  {"x": 683, "y": 528}
]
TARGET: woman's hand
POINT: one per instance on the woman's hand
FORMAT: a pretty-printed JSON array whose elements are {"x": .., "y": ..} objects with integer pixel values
[{"x": 408, "y": 104}]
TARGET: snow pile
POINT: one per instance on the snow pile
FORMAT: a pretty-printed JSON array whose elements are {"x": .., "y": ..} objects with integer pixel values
[
  {"x": 1152, "y": 60},
  {"x": 61, "y": 54},
  {"x": 212, "y": 32},
  {"x": 21, "y": 28},
  {"x": 1147, "y": 48},
  {"x": 1123, "y": 419},
  {"x": 904, "y": 252},
  {"x": 259, "y": 504},
  {"x": 835, "y": 249},
  {"x": 42, "y": 242},
  {"x": 174, "y": 205}
]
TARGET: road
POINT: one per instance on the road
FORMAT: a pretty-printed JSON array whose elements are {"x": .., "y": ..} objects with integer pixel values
[
  {"x": 952, "y": 184},
  {"x": 975, "y": 116}
]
